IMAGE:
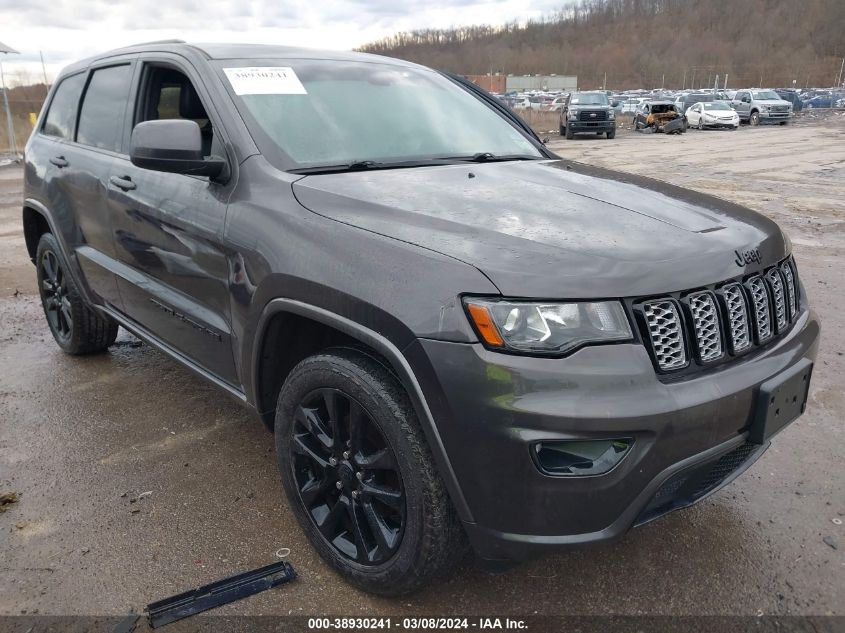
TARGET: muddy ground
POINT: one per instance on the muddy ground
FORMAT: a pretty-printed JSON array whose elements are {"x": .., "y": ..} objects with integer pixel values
[{"x": 81, "y": 438}]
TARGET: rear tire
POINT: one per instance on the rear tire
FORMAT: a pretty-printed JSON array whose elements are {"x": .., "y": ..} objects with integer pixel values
[
  {"x": 421, "y": 536},
  {"x": 77, "y": 327}
]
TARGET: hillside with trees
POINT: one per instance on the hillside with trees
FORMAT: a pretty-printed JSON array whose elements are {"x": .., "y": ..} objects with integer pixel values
[{"x": 648, "y": 43}]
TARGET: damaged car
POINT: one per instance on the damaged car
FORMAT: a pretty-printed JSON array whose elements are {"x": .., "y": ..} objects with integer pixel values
[
  {"x": 660, "y": 116},
  {"x": 456, "y": 338}
]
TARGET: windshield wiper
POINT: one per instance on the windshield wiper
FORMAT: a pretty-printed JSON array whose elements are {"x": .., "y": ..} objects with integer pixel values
[
  {"x": 488, "y": 157},
  {"x": 365, "y": 165}
]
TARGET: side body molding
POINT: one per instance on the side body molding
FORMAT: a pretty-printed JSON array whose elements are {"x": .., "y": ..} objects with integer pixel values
[{"x": 399, "y": 365}]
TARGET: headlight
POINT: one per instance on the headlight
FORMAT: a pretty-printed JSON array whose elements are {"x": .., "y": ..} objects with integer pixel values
[
  {"x": 547, "y": 328},
  {"x": 573, "y": 114},
  {"x": 611, "y": 115}
]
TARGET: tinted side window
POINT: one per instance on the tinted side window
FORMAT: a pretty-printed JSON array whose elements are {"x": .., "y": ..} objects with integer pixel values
[
  {"x": 62, "y": 113},
  {"x": 103, "y": 107}
]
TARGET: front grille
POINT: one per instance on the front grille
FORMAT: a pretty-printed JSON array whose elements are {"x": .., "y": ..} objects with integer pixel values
[
  {"x": 780, "y": 109},
  {"x": 667, "y": 338},
  {"x": 705, "y": 323},
  {"x": 721, "y": 321},
  {"x": 592, "y": 115}
]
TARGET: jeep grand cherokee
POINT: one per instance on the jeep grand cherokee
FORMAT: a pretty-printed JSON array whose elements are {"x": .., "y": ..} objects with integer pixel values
[{"x": 458, "y": 338}]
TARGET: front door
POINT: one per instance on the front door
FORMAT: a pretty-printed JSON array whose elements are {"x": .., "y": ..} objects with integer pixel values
[{"x": 168, "y": 232}]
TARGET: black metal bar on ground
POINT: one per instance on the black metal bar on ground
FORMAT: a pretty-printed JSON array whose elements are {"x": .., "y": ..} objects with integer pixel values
[{"x": 218, "y": 593}]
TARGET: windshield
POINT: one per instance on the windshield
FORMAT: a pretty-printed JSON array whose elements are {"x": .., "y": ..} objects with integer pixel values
[
  {"x": 765, "y": 95},
  {"x": 319, "y": 112},
  {"x": 716, "y": 105},
  {"x": 589, "y": 98}
]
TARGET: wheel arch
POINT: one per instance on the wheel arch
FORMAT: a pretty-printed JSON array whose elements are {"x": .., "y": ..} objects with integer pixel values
[
  {"x": 312, "y": 329},
  {"x": 35, "y": 224}
]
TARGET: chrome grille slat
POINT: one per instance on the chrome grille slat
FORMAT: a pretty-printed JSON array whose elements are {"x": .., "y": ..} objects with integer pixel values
[
  {"x": 778, "y": 298},
  {"x": 737, "y": 310},
  {"x": 705, "y": 323},
  {"x": 791, "y": 290},
  {"x": 667, "y": 338},
  {"x": 762, "y": 314}
]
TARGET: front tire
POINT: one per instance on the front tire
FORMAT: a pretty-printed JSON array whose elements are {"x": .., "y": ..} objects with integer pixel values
[
  {"x": 569, "y": 134},
  {"x": 360, "y": 476},
  {"x": 76, "y": 327},
  {"x": 754, "y": 119},
  {"x": 611, "y": 135}
]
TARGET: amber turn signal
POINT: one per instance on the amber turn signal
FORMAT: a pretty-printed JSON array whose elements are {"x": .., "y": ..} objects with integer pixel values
[{"x": 484, "y": 323}]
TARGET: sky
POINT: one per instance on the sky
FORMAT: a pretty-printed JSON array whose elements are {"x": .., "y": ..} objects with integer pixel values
[{"x": 68, "y": 30}]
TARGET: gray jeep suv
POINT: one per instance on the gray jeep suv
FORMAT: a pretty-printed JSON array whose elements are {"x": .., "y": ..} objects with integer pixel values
[{"x": 458, "y": 338}]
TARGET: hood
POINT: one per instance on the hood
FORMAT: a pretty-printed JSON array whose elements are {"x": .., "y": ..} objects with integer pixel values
[
  {"x": 773, "y": 101},
  {"x": 553, "y": 229}
]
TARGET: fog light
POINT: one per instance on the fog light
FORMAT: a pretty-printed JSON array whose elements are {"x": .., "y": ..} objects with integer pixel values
[{"x": 580, "y": 458}]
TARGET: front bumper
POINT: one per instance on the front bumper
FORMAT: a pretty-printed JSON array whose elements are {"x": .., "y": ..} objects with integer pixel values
[
  {"x": 766, "y": 115},
  {"x": 600, "y": 127},
  {"x": 490, "y": 408}
]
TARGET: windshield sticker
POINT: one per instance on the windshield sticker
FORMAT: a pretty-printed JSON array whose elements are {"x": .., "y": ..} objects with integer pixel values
[{"x": 264, "y": 80}]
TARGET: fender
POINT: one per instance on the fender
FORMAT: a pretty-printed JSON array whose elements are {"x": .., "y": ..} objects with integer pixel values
[
  {"x": 399, "y": 365},
  {"x": 70, "y": 256}
]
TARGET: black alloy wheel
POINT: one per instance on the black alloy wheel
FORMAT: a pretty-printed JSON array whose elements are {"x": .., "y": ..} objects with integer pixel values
[
  {"x": 55, "y": 296},
  {"x": 347, "y": 477}
]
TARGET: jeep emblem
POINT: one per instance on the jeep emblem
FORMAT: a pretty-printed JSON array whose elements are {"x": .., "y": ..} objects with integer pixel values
[{"x": 743, "y": 258}]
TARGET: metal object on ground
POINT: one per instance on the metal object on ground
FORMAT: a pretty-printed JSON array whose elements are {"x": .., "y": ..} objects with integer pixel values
[{"x": 219, "y": 593}]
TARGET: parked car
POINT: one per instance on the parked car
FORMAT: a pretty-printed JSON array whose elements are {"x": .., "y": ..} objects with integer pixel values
[
  {"x": 761, "y": 106},
  {"x": 587, "y": 113},
  {"x": 557, "y": 103},
  {"x": 714, "y": 114},
  {"x": 314, "y": 233},
  {"x": 792, "y": 96},
  {"x": 684, "y": 101},
  {"x": 660, "y": 116},
  {"x": 630, "y": 106},
  {"x": 827, "y": 100},
  {"x": 528, "y": 103}
]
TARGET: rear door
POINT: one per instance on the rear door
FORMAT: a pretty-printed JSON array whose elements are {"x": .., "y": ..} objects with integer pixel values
[
  {"x": 741, "y": 104},
  {"x": 80, "y": 162},
  {"x": 168, "y": 228}
]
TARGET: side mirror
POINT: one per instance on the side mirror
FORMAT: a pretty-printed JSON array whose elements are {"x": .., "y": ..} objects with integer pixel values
[
  {"x": 614, "y": 104},
  {"x": 173, "y": 146}
]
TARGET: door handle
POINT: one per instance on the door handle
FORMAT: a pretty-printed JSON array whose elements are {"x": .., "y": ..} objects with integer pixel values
[
  {"x": 59, "y": 161},
  {"x": 122, "y": 182}
]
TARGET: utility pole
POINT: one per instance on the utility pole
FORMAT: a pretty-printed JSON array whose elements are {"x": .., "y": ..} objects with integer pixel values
[
  {"x": 662, "y": 82},
  {"x": 5, "y": 50},
  {"x": 725, "y": 87},
  {"x": 43, "y": 68},
  {"x": 692, "y": 83},
  {"x": 684, "y": 83},
  {"x": 716, "y": 83},
  {"x": 841, "y": 68}
]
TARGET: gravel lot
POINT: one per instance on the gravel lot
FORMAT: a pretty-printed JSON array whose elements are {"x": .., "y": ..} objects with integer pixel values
[{"x": 80, "y": 438}]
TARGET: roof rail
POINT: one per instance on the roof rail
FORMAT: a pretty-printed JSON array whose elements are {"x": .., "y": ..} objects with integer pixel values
[{"x": 174, "y": 41}]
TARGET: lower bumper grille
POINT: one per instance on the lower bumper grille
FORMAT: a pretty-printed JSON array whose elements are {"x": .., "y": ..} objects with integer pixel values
[{"x": 690, "y": 485}]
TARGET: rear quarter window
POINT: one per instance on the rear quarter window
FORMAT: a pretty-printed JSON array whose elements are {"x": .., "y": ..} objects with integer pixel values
[
  {"x": 101, "y": 115},
  {"x": 61, "y": 115}
]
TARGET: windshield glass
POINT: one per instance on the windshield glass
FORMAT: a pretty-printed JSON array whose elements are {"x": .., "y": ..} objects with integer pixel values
[
  {"x": 716, "y": 105},
  {"x": 765, "y": 95},
  {"x": 318, "y": 112},
  {"x": 589, "y": 98}
]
